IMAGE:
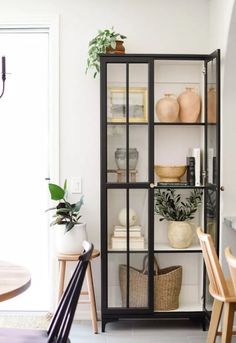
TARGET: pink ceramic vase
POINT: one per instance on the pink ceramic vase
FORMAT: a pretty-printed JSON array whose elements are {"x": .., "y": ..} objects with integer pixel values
[
  {"x": 190, "y": 105},
  {"x": 211, "y": 105},
  {"x": 167, "y": 108}
]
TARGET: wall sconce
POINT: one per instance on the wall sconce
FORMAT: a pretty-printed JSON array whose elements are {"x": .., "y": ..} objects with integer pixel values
[{"x": 3, "y": 74}]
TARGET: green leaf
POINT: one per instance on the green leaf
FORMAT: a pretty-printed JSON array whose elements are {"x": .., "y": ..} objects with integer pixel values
[
  {"x": 69, "y": 226},
  {"x": 65, "y": 185},
  {"x": 79, "y": 204},
  {"x": 57, "y": 193}
]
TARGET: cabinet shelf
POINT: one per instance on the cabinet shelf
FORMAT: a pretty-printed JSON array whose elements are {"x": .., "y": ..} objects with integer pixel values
[{"x": 159, "y": 248}]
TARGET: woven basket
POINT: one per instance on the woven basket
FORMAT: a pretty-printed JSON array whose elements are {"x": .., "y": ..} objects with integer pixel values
[{"x": 167, "y": 285}]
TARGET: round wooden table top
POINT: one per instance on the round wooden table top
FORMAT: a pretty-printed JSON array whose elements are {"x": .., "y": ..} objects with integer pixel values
[{"x": 14, "y": 280}]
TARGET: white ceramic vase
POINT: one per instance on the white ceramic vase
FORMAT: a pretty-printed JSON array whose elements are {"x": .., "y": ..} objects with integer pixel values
[
  {"x": 71, "y": 242},
  {"x": 180, "y": 234}
]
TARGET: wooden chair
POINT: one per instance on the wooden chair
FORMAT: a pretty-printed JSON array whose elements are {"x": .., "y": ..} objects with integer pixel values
[
  {"x": 59, "y": 329},
  {"x": 221, "y": 290}
]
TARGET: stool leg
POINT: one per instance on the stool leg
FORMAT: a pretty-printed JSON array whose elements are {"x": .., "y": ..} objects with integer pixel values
[
  {"x": 92, "y": 297},
  {"x": 62, "y": 270}
]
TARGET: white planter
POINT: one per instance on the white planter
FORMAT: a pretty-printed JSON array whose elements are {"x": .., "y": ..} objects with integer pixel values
[
  {"x": 71, "y": 241},
  {"x": 180, "y": 234}
]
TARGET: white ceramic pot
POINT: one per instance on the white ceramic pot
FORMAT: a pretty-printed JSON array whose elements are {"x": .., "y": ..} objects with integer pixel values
[
  {"x": 189, "y": 106},
  {"x": 71, "y": 242},
  {"x": 180, "y": 234}
]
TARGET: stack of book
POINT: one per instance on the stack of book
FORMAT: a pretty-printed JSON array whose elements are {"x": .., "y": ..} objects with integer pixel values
[{"x": 119, "y": 237}]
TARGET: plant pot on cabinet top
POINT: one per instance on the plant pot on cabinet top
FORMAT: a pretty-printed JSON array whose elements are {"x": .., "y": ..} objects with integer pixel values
[{"x": 119, "y": 49}]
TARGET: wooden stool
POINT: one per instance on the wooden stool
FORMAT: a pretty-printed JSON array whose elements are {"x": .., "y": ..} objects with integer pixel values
[{"x": 62, "y": 258}]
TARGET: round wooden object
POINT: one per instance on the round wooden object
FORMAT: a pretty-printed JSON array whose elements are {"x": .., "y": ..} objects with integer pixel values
[
  {"x": 75, "y": 257},
  {"x": 14, "y": 280}
]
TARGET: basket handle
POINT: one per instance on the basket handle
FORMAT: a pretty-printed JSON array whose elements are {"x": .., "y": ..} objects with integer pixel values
[{"x": 145, "y": 266}]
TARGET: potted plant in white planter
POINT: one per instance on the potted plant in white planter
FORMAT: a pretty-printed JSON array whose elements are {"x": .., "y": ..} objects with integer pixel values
[
  {"x": 71, "y": 232},
  {"x": 106, "y": 41},
  {"x": 178, "y": 213}
]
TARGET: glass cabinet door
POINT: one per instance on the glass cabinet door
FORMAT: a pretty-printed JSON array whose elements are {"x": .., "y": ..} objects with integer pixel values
[
  {"x": 127, "y": 122},
  {"x": 212, "y": 156},
  {"x": 127, "y": 168}
]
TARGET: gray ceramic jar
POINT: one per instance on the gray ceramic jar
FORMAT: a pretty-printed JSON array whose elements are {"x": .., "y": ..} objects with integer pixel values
[{"x": 120, "y": 158}]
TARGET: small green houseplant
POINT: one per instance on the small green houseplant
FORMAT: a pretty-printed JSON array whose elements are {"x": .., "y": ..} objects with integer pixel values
[
  {"x": 169, "y": 205},
  {"x": 65, "y": 213},
  {"x": 98, "y": 45}
]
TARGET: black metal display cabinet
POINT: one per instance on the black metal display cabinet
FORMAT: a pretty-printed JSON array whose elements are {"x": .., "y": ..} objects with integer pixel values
[{"x": 131, "y": 87}]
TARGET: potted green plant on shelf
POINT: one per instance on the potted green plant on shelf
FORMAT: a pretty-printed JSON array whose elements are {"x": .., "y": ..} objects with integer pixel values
[
  {"x": 106, "y": 41},
  {"x": 67, "y": 216},
  {"x": 170, "y": 206}
]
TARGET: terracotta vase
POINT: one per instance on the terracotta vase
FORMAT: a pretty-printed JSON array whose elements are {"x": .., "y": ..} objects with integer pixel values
[
  {"x": 180, "y": 234},
  {"x": 211, "y": 105},
  {"x": 119, "y": 49},
  {"x": 190, "y": 105},
  {"x": 167, "y": 108}
]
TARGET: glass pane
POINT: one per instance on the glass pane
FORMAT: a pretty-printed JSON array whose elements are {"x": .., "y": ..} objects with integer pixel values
[
  {"x": 116, "y": 280},
  {"x": 116, "y": 229},
  {"x": 173, "y": 147},
  {"x": 138, "y": 280},
  {"x": 212, "y": 121},
  {"x": 182, "y": 235},
  {"x": 187, "y": 282},
  {"x": 116, "y": 93},
  {"x": 138, "y": 93},
  {"x": 138, "y": 211},
  {"x": 116, "y": 113},
  {"x": 138, "y": 154},
  {"x": 178, "y": 91},
  {"x": 211, "y": 213},
  {"x": 116, "y": 153}
]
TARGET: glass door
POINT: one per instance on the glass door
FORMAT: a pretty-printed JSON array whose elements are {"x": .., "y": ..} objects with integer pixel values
[
  {"x": 212, "y": 106},
  {"x": 126, "y": 120}
]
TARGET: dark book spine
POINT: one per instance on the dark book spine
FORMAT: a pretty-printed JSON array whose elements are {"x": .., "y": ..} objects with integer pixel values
[{"x": 191, "y": 170}]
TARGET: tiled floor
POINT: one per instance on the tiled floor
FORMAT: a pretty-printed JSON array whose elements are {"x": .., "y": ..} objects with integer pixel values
[{"x": 140, "y": 332}]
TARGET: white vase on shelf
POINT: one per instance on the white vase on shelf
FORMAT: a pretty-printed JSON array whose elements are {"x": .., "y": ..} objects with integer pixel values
[{"x": 180, "y": 234}]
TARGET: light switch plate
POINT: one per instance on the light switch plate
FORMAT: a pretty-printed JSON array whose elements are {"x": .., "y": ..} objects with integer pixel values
[{"x": 76, "y": 185}]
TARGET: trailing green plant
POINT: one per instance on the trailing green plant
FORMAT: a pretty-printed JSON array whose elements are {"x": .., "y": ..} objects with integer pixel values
[
  {"x": 98, "y": 45},
  {"x": 169, "y": 205},
  {"x": 65, "y": 213}
]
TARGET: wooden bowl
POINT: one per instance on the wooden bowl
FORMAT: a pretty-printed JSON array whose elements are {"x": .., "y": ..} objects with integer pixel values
[{"x": 170, "y": 173}]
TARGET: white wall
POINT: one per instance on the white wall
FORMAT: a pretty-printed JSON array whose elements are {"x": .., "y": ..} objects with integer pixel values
[
  {"x": 152, "y": 26},
  {"x": 222, "y": 28}
]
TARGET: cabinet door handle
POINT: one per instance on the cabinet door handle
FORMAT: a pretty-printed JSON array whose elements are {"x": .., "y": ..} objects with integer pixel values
[
  {"x": 152, "y": 185},
  {"x": 222, "y": 188}
]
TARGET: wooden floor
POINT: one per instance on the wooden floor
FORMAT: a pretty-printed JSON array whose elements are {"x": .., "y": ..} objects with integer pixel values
[{"x": 141, "y": 332}]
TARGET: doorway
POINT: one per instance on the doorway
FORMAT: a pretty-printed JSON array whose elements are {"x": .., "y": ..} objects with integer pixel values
[{"x": 25, "y": 161}]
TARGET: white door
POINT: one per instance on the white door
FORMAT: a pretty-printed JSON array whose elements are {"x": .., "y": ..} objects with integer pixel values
[{"x": 24, "y": 156}]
